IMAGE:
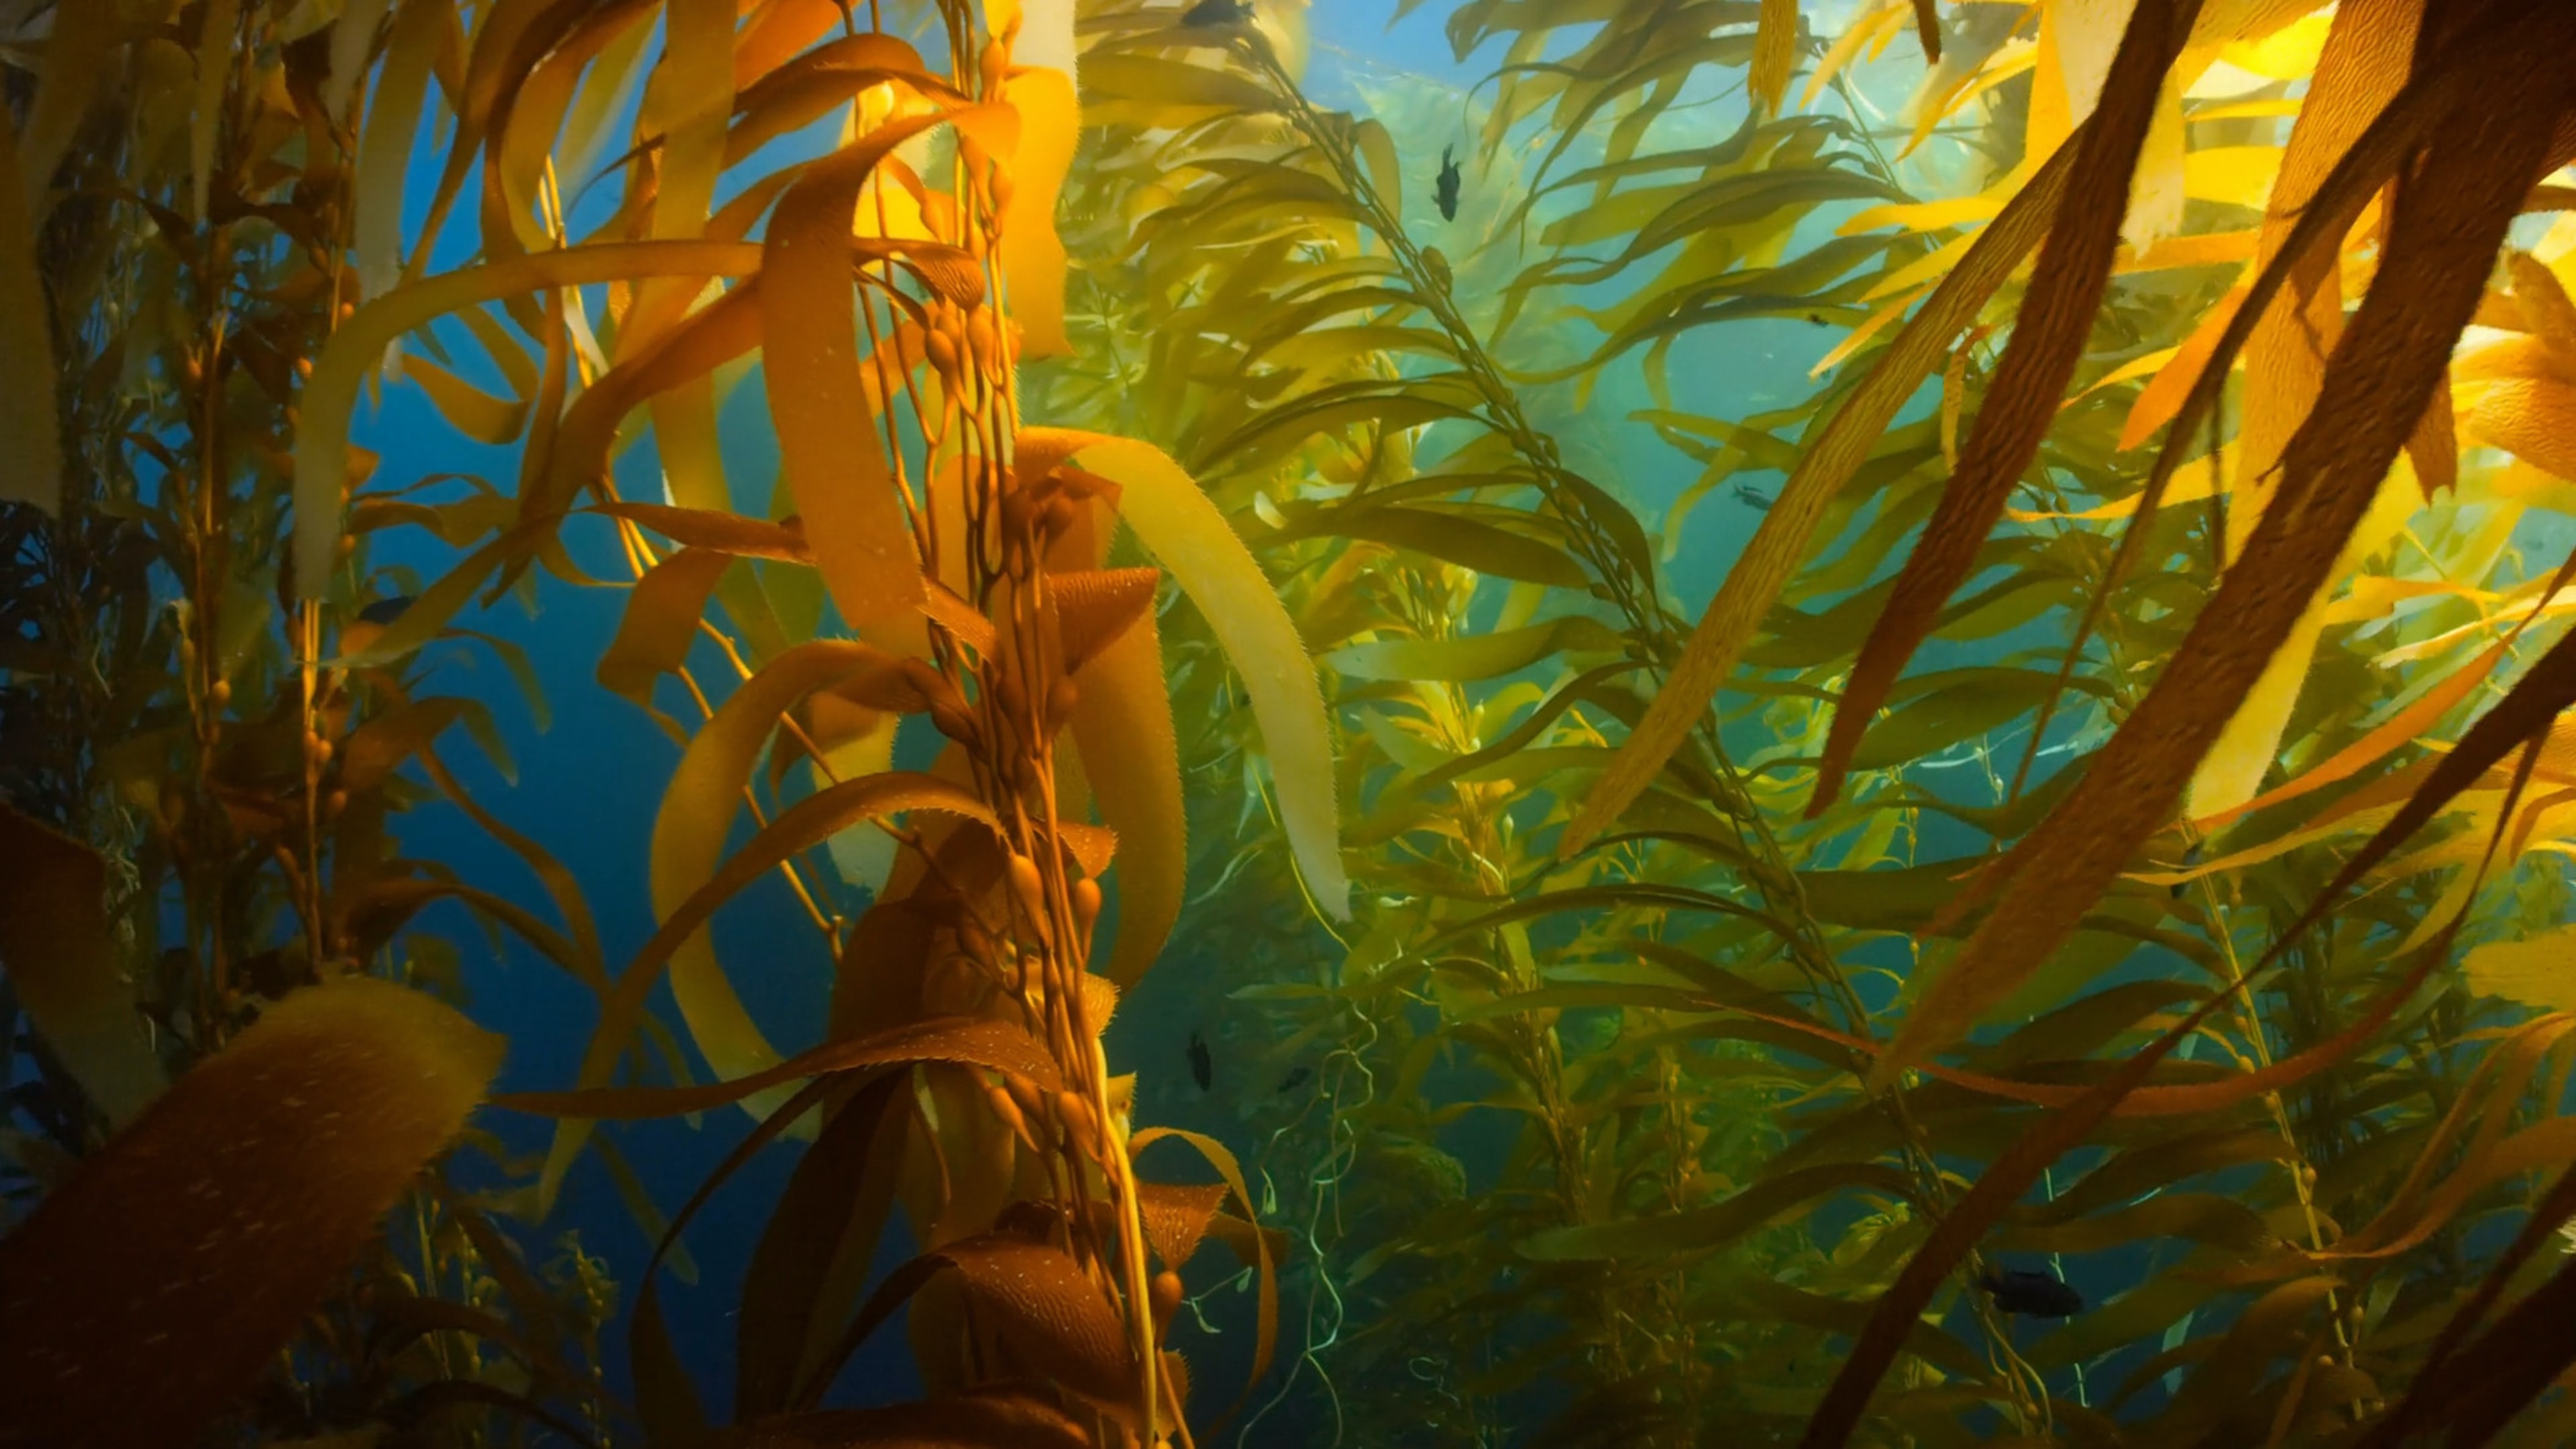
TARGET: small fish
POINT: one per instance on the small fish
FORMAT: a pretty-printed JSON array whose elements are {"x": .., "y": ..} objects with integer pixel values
[
  {"x": 1817, "y": 319},
  {"x": 2190, "y": 858},
  {"x": 2032, "y": 1293},
  {"x": 1296, "y": 1079},
  {"x": 1211, "y": 14},
  {"x": 1754, "y": 498},
  {"x": 1202, "y": 1066},
  {"x": 386, "y": 610},
  {"x": 1446, "y": 192}
]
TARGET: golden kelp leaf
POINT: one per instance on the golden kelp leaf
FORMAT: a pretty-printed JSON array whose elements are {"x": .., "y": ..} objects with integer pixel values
[
  {"x": 808, "y": 823},
  {"x": 681, "y": 354},
  {"x": 27, "y": 399},
  {"x": 1192, "y": 540},
  {"x": 2395, "y": 733},
  {"x": 2545, "y": 307},
  {"x": 696, "y": 817},
  {"x": 2537, "y": 970},
  {"x": 1775, "y": 51},
  {"x": 659, "y": 626},
  {"x": 1266, "y": 1335},
  {"x": 61, "y": 959},
  {"x": 1094, "y": 607},
  {"x": 2048, "y": 337},
  {"x": 1122, "y": 733},
  {"x": 155, "y": 1285},
  {"x": 2445, "y": 232},
  {"x": 2532, "y": 418},
  {"x": 1177, "y": 1217},
  {"x": 1779, "y": 544},
  {"x": 1033, "y": 256},
  {"x": 963, "y": 622},
  {"x": 728, "y": 533},
  {"x": 810, "y": 365},
  {"x": 468, "y": 409},
  {"x": 689, "y": 102},
  {"x": 973, "y": 1041},
  {"x": 2242, "y": 754},
  {"x": 2159, "y": 400},
  {"x": 2362, "y": 66},
  {"x": 322, "y": 438},
  {"x": 1039, "y": 1303}
]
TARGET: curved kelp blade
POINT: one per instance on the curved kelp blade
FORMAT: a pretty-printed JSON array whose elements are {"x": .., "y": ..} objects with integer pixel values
[
  {"x": 1123, "y": 734},
  {"x": 2449, "y": 222},
  {"x": 2048, "y": 337},
  {"x": 810, "y": 822},
  {"x": 56, "y": 947},
  {"x": 154, "y": 1286},
  {"x": 1191, "y": 539}
]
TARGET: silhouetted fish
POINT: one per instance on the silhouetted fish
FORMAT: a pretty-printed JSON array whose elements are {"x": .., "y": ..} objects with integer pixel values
[
  {"x": 1202, "y": 1066},
  {"x": 2190, "y": 858},
  {"x": 385, "y": 611},
  {"x": 1446, "y": 191},
  {"x": 2032, "y": 1293},
  {"x": 1753, "y": 498},
  {"x": 1295, "y": 1080},
  {"x": 1209, "y": 14}
]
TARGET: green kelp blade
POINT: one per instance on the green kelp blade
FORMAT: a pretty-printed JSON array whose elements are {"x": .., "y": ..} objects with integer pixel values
[{"x": 153, "y": 1287}]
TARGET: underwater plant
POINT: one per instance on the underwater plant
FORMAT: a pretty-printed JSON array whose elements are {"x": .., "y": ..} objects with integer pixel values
[{"x": 2042, "y": 922}]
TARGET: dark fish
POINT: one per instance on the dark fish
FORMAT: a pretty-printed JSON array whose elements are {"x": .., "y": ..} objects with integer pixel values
[
  {"x": 1753, "y": 498},
  {"x": 1295, "y": 1080},
  {"x": 1210, "y": 14},
  {"x": 1202, "y": 1066},
  {"x": 1446, "y": 192},
  {"x": 1818, "y": 318},
  {"x": 2190, "y": 858},
  {"x": 385, "y": 611},
  {"x": 2032, "y": 1293}
]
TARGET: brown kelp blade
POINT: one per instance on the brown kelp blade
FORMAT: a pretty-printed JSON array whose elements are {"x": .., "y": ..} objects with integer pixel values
[
  {"x": 2449, "y": 223},
  {"x": 2048, "y": 337},
  {"x": 151, "y": 1289}
]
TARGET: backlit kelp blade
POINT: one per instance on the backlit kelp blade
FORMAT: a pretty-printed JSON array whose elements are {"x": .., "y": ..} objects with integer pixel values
[{"x": 150, "y": 1289}]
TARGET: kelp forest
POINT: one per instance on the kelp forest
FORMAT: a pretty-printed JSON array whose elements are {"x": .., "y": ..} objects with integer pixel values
[{"x": 805, "y": 724}]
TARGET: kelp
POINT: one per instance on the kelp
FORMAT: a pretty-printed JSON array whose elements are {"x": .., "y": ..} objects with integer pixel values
[{"x": 1657, "y": 994}]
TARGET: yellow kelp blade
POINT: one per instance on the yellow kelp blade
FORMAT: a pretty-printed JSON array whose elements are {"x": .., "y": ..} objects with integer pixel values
[
  {"x": 836, "y": 464},
  {"x": 55, "y": 947},
  {"x": 689, "y": 834},
  {"x": 1122, "y": 731},
  {"x": 1185, "y": 532},
  {"x": 322, "y": 438},
  {"x": 1033, "y": 256},
  {"x": 157, "y": 1283},
  {"x": 2233, "y": 770},
  {"x": 34, "y": 473}
]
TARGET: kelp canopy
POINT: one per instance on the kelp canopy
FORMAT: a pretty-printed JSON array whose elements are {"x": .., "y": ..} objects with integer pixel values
[{"x": 1698, "y": 898}]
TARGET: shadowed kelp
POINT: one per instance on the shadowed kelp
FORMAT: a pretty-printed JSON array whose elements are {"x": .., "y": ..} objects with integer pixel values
[{"x": 154, "y": 1285}]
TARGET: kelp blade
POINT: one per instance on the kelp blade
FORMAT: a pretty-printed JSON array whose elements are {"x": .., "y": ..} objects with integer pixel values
[{"x": 151, "y": 1288}]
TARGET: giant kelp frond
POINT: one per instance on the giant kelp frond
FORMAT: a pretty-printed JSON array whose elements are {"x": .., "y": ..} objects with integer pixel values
[{"x": 155, "y": 1283}]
